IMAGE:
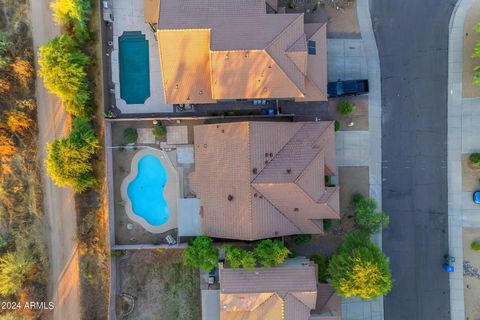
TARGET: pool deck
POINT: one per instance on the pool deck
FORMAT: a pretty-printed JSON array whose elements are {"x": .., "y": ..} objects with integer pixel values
[
  {"x": 170, "y": 193},
  {"x": 128, "y": 16}
]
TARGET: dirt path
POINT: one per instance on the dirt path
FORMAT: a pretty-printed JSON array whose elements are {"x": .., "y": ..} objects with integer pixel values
[{"x": 59, "y": 204}]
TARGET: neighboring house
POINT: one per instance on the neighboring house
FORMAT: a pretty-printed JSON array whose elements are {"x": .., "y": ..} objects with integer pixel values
[
  {"x": 260, "y": 180},
  {"x": 226, "y": 50},
  {"x": 286, "y": 292}
]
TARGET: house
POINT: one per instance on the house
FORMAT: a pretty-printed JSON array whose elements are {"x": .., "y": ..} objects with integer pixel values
[
  {"x": 259, "y": 180},
  {"x": 227, "y": 50},
  {"x": 286, "y": 292}
]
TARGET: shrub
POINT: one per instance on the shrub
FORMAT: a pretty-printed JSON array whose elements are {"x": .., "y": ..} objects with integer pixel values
[
  {"x": 360, "y": 269},
  {"x": 270, "y": 253},
  {"x": 476, "y": 54},
  {"x": 367, "y": 219},
  {"x": 68, "y": 160},
  {"x": 201, "y": 254},
  {"x": 18, "y": 122},
  {"x": 476, "y": 75},
  {"x": 6, "y": 45},
  {"x": 7, "y": 146},
  {"x": 63, "y": 68},
  {"x": 475, "y": 158},
  {"x": 322, "y": 265},
  {"x": 301, "y": 239},
  {"x": 337, "y": 125},
  {"x": 14, "y": 269},
  {"x": 327, "y": 224},
  {"x": 117, "y": 253},
  {"x": 130, "y": 135},
  {"x": 5, "y": 86},
  {"x": 475, "y": 245},
  {"x": 159, "y": 132},
  {"x": 237, "y": 258},
  {"x": 345, "y": 107},
  {"x": 23, "y": 71},
  {"x": 74, "y": 15}
]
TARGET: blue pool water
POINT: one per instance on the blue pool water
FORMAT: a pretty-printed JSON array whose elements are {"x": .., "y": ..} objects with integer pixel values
[{"x": 146, "y": 191}]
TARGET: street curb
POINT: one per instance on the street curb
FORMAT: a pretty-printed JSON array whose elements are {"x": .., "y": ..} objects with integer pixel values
[
  {"x": 454, "y": 138},
  {"x": 356, "y": 309}
]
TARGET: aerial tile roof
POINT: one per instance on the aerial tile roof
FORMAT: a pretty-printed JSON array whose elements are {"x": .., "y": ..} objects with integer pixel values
[
  {"x": 248, "y": 54},
  {"x": 263, "y": 179}
]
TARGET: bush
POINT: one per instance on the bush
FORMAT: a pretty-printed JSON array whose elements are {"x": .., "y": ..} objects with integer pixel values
[
  {"x": 270, "y": 253},
  {"x": 7, "y": 146},
  {"x": 301, "y": 239},
  {"x": 68, "y": 160},
  {"x": 18, "y": 122},
  {"x": 322, "y": 265},
  {"x": 360, "y": 269},
  {"x": 475, "y": 245},
  {"x": 130, "y": 135},
  {"x": 159, "y": 132},
  {"x": 345, "y": 107},
  {"x": 239, "y": 258},
  {"x": 476, "y": 54},
  {"x": 337, "y": 125},
  {"x": 367, "y": 219},
  {"x": 23, "y": 71},
  {"x": 64, "y": 70},
  {"x": 327, "y": 224},
  {"x": 475, "y": 158},
  {"x": 6, "y": 45},
  {"x": 14, "y": 269},
  {"x": 74, "y": 15},
  {"x": 201, "y": 254}
]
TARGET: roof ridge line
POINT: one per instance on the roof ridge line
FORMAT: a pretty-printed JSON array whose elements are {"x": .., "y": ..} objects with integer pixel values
[
  {"x": 285, "y": 73},
  {"x": 249, "y": 172},
  {"x": 281, "y": 32},
  {"x": 264, "y": 197},
  {"x": 276, "y": 154}
]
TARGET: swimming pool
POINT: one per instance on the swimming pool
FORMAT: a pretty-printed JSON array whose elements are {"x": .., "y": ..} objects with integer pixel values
[
  {"x": 134, "y": 67},
  {"x": 146, "y": 191}
]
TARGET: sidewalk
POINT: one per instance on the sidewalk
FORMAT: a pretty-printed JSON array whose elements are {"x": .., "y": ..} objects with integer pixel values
[
  {"x": 368, "y": 151},
  {"x": 460, "y": 137}
]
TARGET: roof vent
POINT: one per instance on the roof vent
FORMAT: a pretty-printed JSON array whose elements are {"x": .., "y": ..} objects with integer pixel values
[
  {"x": 230, "y": 197},
  {"x": 295, "y": 209},
  {"x": 271, "y": 154},
  {"x": 276, "y": 233},
  {"x": 255, "y": 195},
  {"x": 246, "y": 54},
  {"x": 223, "y": 131},
  {"x": 176, "y": 86},
  {"x": 289, "y": 171},
  {"x": 266, "y": 161},
  {"x": 204, "y": 145},
  {"x": 200, "y": 92},
  {"x": 254, "y": 170}
]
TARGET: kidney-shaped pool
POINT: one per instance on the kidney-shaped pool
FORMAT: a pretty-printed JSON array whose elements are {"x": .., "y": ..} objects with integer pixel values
[{"x": 146, "y": 191}]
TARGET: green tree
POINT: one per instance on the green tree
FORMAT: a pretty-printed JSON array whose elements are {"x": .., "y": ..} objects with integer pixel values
[
  {"x": 14, "y": 269},
  {"x": 345, "y": 107},
  {"x": 130, "y": 135},
  {"x": 270, "y": 253},
  {"x": 367, "y": 218},
  {"x": 5, "y": 44},
  {"x": 63, "y": 68},
  {"x": 360, "y": 269},
  {"x": 475, "y": 158},
  {"x": 68, "y": 161},
  {"x": 74, "y": 15},
  {"x": 322, "y": 264},
  {"x": 239, "y": 258},
  {"x": 201, "y": 253}
]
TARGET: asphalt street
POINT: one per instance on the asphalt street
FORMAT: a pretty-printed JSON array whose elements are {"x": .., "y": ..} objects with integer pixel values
[{"x": 412, "y": 38}]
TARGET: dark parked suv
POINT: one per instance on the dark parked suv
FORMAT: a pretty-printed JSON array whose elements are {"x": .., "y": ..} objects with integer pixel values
[{"x": 347, "y": 88}]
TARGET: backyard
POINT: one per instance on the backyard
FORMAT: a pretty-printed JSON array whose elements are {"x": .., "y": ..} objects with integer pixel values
[{"x": 161, "y": 284}]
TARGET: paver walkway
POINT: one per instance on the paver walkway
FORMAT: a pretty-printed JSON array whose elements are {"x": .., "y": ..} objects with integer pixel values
[{"x": 463, "y": 137}]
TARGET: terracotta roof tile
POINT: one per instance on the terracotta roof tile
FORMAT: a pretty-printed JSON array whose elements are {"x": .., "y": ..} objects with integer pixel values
[
  {"x": 263, "y": 179},
  {"x": 258, "y": 64}
]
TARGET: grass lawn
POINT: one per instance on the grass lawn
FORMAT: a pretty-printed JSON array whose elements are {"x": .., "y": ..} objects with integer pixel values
[{"x": 163, "y": 287}]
